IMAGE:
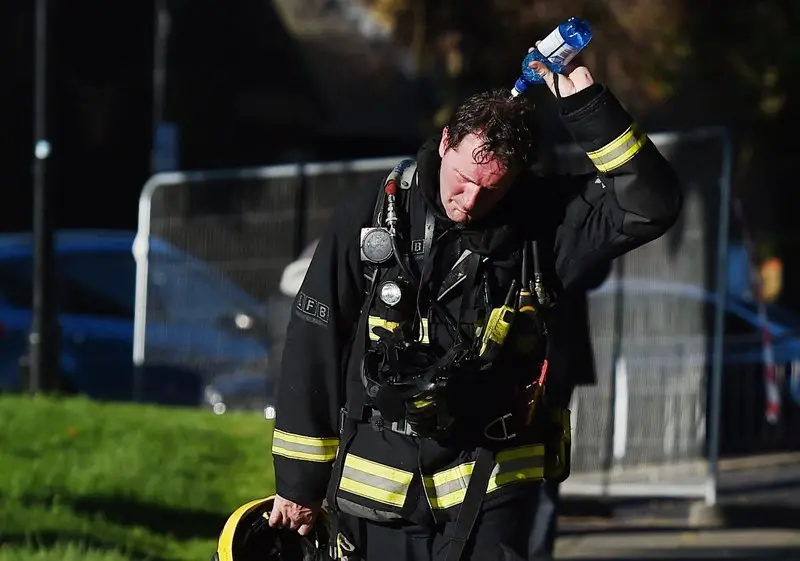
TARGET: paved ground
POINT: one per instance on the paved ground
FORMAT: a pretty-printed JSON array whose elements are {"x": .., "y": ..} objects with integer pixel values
[
  {"x": 758, "y": 517},
  {"x": 684, "y": 545}
]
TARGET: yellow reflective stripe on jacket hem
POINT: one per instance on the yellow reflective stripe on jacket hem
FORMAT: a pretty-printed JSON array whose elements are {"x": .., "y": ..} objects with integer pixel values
[
  {"x": 448, "y": 488},
  {"x": 299, "y": 447},
  {"x": 619, "y": 151},
  {"x": 375, "y": 481}
]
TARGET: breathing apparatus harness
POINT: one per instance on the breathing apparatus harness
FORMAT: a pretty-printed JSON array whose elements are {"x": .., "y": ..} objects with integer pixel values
[{"x": 403, "y": 378}]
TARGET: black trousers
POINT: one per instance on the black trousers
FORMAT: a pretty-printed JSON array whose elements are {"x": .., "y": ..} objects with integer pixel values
[
  {"x": 501, "y": 533},
  {"x": 544, "y": 523}
]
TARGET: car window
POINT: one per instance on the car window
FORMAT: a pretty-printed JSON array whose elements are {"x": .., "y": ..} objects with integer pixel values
[
  {"x": 94, "y": 284},
  {"x": 193, "y": 290},
  {"x": 97, "y": 283},
  {"x": 104, "y": 284},
  {"x": 16, "y": 282}
]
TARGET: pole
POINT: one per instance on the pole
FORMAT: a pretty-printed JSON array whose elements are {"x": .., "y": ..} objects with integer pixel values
[
  {"x": 44, "y": 335},
  {"x": 164, "y": 154},
  {"x": 715, "y": 409},
  {"x": 161, "y": 28}
]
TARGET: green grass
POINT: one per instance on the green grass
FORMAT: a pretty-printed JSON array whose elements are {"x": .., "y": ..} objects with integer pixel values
[{"x": 84, "y": 481}]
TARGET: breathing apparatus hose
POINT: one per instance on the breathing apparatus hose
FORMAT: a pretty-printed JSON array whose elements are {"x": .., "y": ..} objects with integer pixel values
[
  {"x": 410, "y": 388},
  {"x": 390, "y": 189}
]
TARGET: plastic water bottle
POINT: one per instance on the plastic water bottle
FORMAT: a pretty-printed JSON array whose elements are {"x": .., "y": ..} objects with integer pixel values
[{"x": 556, "y": 51}]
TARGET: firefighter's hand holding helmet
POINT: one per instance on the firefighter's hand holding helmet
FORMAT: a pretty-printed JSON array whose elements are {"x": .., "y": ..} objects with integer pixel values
[
  {"x": 248, "y": 535},
  {"x": 293, "y": 516}
]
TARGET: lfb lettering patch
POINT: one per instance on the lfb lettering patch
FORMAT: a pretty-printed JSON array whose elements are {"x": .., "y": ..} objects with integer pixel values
[{"x": 311, "y": 309}]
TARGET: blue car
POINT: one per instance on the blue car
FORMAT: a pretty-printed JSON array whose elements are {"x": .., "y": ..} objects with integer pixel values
[{"x": 205, "y": 338}]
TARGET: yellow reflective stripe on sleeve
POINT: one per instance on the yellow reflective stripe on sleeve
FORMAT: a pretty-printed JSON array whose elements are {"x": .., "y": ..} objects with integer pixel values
[
  {"x": 298, "y": 447},
  {"x": 375, "y": 481},
  {"x": 448, "y": 488},
  {"x": 619, "y": 151}
]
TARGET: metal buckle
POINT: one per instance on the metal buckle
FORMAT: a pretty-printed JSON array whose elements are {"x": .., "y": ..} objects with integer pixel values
[
  {"x": 402, "y": 427},
  {"x": 502, "y": 421},
  {"x": 341, "y": 548},
  {"x": 378, "y": 423}
]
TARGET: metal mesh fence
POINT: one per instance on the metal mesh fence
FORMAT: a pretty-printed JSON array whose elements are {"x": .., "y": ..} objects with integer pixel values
[
  {"x": 211, "y": 249},
  {"x": 643, "y": 428},
  {"x": 249, "y": 224},
  {"x": 242, "y": 226}
]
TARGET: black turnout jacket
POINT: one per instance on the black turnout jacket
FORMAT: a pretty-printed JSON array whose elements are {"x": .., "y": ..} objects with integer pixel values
[{"x": 580, "y": 222}]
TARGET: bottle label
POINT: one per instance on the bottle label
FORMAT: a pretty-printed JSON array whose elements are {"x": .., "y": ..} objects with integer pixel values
[{"x": 556, "y": 50}]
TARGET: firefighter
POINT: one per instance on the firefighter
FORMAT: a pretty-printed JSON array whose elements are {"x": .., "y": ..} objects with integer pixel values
[{"x": 413, "y": 399}]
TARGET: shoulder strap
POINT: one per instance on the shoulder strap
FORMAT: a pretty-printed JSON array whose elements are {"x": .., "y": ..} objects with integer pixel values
[
  {"x": 471, "y": 506},
  {"x": 351, "y": 413},
  {"x": 408, "y": 171}
]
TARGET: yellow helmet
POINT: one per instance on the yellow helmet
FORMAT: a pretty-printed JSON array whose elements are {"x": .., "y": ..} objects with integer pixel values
[{"x": 247, "y": 536}]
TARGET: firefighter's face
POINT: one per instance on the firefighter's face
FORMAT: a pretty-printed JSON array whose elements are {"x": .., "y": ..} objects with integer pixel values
[{"x": 469, "y": 189}]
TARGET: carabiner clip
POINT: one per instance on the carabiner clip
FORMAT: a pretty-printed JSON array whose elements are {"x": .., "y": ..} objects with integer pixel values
[{"x": 506, "y": 434}]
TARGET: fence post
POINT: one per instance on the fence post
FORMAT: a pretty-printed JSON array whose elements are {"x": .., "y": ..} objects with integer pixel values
[
  {"x": 301, "y": 209},
  {"x": 715, "y": 408}
]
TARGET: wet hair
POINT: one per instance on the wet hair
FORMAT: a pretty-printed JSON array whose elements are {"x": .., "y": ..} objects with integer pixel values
[{"x": 504, "y": 123}]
